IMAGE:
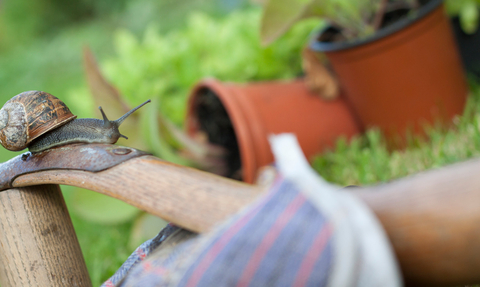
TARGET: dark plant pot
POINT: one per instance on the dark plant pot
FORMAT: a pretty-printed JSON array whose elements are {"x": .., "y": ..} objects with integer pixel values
[
  {"x": 252, "y": 112},
  {"x": 405, "y": 76},
  {"x": 469, "y": 46}
]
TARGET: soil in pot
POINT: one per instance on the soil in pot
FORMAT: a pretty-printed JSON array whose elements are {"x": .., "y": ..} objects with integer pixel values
[{"x": 215, "y": 122}]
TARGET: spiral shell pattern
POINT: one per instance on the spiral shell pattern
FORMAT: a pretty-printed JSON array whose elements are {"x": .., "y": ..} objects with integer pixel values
[{"x": 29, "y": 115}]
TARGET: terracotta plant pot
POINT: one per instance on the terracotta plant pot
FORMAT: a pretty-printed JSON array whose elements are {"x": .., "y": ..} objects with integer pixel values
[
  {"x": 405, "y": 76},
  {"x": 252, "y": 112}
]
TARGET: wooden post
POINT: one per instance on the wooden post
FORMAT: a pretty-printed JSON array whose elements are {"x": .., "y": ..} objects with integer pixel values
[{"x": 38, "y": 245}]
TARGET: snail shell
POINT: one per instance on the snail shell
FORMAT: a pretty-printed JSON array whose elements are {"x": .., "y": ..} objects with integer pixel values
[{"x": 29, "y": 115}]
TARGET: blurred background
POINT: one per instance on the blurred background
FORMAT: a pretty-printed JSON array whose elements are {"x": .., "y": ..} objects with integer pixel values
[{"x": 158, "y": 49}]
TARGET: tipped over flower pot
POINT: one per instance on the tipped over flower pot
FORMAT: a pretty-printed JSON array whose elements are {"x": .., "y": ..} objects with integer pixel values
[
  {"x": 240, "y": 117},
  {"x": 405, "y": 76}
]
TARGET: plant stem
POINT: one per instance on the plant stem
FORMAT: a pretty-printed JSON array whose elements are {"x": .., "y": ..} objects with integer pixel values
[{"x": 377, "y": 21}]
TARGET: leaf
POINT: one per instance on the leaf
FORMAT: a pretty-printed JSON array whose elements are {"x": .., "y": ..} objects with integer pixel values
[
  {"x": 279, "y": 15},
  {"x": 104, "y": 94},
  {"x": 198, "y": 146},
  {"x": 109, "y": 98},
  {"x": 172, "y": 144},
  {"x": 100, "y": 208},
  {"x": 469, "y": 17},
  {"x": 197, "y": 149},
  {"x": 213, "y": 158},
  {"x": 453, "y": 7},
  {"x": 156, "y": 140}
]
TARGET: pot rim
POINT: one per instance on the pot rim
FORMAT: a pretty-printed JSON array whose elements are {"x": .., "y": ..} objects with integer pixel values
[
  {"x": 248, "y": 161},
  {"x": 319, "y": 46}
]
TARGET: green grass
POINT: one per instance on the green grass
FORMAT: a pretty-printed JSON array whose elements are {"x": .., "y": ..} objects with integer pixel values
[
  {"x": 104, "y": 247},
  {"x": 367, "y": 159}
]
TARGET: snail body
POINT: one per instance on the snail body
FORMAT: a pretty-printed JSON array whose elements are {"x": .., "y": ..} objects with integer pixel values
[
  {"x": 40, "y": 121},
  {"x": 76, "y": 131}
]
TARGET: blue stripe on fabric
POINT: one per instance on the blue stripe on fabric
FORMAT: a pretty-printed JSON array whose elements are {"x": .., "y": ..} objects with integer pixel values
[
  {"x": 280, "y": 264},
  {"x": 233, "y": 262},
  {"x": 322, "y": 267}
]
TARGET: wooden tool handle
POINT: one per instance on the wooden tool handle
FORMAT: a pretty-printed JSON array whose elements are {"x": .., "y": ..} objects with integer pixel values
[
  {"x": 431, "y": 219},
  {"x": 433, "y": 222},
  {"x": 38, "y": 245},
  {"x": 190, "y": 198}
]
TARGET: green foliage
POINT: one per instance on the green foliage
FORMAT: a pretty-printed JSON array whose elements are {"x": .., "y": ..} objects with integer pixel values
[
  {"x": 279, "y": 16},
  {"x": 356, "y": 19},
  {"x": 105, "y": 248},
  {"x": 171, "y": 14},
  {"x": 467, "y": 11},
  {"x": 168, "y": 65}
]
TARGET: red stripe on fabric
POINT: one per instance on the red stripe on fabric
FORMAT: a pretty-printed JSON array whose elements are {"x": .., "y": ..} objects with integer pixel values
[
  {"x": 109, "y": 283},
  {"x": 315, "y": 251},
  {"x": 147, "y": 266},
  {"x": 140, "y": 253},
  {"x": 203, "y": 265},
  {"x": 269, "y": 239}
]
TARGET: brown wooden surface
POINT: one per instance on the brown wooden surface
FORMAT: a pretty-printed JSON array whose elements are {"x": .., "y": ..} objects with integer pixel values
[
  {"x": 188, "y": 197},
  {"x": 433, "y": 222},
  {"x": 38, "y": 245}
]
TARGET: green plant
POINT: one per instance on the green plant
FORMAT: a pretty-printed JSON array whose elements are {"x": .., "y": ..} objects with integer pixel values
[
  {"x": 167, "y": 65},
  {"x": 354, "y": 18},
  {"x": 467, "y": 12}
]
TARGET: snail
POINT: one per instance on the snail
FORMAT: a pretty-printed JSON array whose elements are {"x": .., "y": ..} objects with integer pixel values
[{"x": 40, "y": 121}]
